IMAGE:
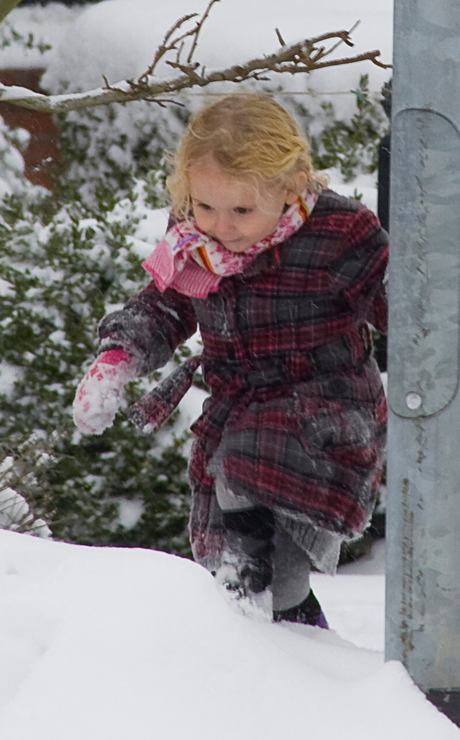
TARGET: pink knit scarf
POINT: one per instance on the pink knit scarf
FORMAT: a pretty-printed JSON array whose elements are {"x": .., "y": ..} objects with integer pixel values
[{"x": 194, "y": 263}]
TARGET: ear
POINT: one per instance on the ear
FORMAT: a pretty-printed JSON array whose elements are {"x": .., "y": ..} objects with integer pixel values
[{"x": 297, "y": 184}]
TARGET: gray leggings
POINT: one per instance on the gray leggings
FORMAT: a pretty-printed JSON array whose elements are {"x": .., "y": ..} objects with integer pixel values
[{"x": 291, "y": 564}]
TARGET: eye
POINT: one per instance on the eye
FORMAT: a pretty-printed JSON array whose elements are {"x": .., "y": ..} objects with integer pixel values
[
  {"x": 203, "y": 206},
  {"x": 243, "y": 211}
]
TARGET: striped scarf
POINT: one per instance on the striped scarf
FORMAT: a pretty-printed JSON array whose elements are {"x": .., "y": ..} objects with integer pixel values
[{"x": 194, "y": 263}]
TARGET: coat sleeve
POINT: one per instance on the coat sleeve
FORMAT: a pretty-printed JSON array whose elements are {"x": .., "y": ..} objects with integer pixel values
[
  {"x": 359, "y": 273},
  {"x": 149, "y": 327}
]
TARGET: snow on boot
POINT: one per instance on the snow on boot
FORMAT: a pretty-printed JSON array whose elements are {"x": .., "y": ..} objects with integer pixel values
[{"x": 247, "y": 565}]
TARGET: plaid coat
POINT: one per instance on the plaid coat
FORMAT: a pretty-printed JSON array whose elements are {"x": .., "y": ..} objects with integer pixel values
[{"x": 296, "y": 417}]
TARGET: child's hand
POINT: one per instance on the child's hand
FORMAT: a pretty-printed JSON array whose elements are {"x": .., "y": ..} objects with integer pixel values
[{"x": 98, "y": 396}]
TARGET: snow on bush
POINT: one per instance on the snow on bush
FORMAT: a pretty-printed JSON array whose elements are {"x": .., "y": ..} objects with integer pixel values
[
  {"x": 62, "y": 267},
  {"x": 15, "y": 513}
]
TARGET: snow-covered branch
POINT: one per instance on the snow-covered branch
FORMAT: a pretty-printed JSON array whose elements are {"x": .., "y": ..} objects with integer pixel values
[{"x": 178, "y": 50}]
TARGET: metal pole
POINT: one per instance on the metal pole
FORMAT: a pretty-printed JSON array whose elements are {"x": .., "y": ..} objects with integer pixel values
[{"x": 423, "y": 516}]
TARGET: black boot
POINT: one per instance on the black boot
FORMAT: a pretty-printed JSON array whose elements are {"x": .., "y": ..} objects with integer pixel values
[
  {"x": 250, "y": 538},
  {"x": 307, "y": 612}
]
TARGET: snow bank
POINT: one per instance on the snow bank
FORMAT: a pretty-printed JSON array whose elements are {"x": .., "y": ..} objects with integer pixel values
[{"x": 105, "y": 644}]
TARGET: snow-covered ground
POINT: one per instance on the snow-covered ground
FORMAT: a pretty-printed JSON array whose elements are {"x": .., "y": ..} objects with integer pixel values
[{"x": 109, "y": 644}]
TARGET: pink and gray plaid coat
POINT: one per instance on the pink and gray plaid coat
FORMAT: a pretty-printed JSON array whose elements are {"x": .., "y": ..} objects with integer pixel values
[{"x": 296, "y": 418}]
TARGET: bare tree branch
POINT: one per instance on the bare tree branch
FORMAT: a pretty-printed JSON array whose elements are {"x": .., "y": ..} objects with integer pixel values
[
  {"x": 198, "y": 29},
  {"x": 370, "y": 56},
  {"x": 352, "y": 30},
  {"x": 302, "y": 57},
  {"x": 167, "y": 45},
  {"x": 280, "y": 38}
]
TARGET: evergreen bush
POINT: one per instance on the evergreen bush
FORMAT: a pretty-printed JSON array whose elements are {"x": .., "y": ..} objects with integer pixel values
[
  {"x": 62, "y": 266},
  {"x": 104, "y": 150},
  {"x": 350, "y": 146}
]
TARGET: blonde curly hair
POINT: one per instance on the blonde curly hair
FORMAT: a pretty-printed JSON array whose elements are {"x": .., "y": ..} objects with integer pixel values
[{"x": 246, "y": 134}]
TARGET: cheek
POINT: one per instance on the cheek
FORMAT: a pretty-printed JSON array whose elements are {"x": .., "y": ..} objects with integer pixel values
[
  {"x": 200, "y": 218},
  {"x": 266, "y": 225}
]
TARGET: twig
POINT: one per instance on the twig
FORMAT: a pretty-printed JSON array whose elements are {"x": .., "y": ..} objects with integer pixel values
[
  {"x": 370, "y": 56},
  {"x": 167, "y": 45},
  {"x": 280, "y": 38},
  {"x": 198, "y": 28},
  {"x": 352, "y": 30}
]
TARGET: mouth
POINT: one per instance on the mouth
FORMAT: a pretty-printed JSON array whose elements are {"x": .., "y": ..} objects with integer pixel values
[{"x": 235, "y": 245}]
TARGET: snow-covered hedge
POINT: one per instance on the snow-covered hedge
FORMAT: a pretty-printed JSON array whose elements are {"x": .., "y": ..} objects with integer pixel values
[{"x": 62, "y": 266}]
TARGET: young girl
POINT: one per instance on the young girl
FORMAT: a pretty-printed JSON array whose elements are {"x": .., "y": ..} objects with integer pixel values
[{"x": 283, "y": 278}]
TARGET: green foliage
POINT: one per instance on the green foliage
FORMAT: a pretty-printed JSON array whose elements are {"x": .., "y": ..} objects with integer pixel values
[
  {"x": 350, "y": 146},
  {"x": 20, "y": 463},
  {"x": 105, "y": 149},
  {"x": 9, "y": 36},
  {"x": 61, "y": 268}
]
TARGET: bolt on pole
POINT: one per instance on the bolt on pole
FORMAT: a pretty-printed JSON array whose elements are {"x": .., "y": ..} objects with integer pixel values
[{"x": 423, "y": 515}]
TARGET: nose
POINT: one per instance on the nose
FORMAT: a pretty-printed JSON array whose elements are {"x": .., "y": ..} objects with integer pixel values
[{"x": 224, "y": 228}]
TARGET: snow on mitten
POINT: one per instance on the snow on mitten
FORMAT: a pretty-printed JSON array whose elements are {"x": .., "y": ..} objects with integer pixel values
[{"x": 98, "y": 396}]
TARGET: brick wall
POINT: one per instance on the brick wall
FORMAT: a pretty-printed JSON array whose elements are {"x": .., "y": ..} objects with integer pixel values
[{"x": 42, "y": 153}]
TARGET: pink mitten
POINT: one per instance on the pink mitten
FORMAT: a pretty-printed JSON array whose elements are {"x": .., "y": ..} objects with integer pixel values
[{"x": 98, "y": 396}]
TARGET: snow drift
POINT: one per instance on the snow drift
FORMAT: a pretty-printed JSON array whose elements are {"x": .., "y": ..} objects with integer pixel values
[{"x": 106, "y": 643}]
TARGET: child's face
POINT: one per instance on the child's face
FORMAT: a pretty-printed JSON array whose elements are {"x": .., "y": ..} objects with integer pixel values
[{"x": 238, "y": 212}]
